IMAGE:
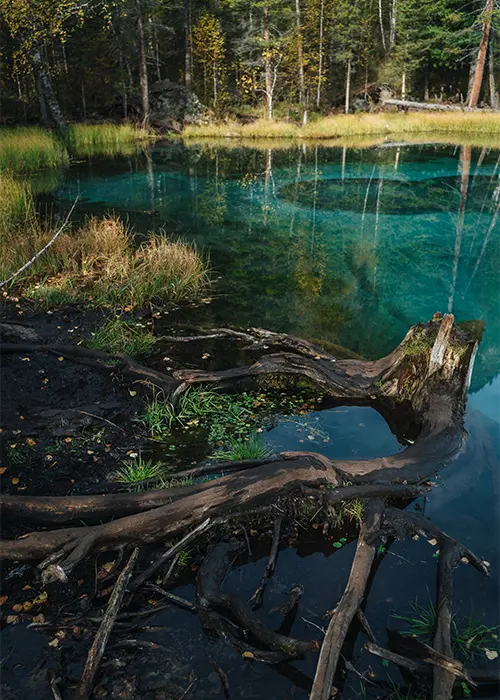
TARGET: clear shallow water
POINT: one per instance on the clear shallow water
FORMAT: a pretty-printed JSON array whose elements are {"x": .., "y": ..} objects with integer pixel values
[{"x": 349, "y": 246}]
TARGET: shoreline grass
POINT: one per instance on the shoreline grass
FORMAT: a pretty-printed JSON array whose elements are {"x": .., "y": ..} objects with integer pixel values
[
  {"x": 32, "y": 149},
  {"x": 351, "y": 125},
  {"x": 99, "y": 263}
]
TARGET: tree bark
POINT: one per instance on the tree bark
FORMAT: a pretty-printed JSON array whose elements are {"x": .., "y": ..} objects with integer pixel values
[
  {"x": 481, "y": 56},
  {"x": 50, "y": 108},
  {"x": 187, "y": 40},
  {"x": 300, "y": 55},
  {"x": 491, "y": 67},
  {"x": 267, "y": 64},
  {"x": 320, "y": 55},
  {"x": 348, "y": 86},
  {"x": 381, "y": 23},
  {"x": 143, "y": 69}
]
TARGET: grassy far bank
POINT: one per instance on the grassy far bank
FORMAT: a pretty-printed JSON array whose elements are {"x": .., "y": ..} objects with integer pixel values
[
  {"x": 350, "y": 125},
  {"x": 32, "y": 148}
]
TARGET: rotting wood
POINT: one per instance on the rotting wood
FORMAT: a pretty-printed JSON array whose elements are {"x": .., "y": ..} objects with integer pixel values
[
  {"x": 103, "y": 633},
  {"x": 349, "y": 604},
  {"x": 258, "y": 596}
]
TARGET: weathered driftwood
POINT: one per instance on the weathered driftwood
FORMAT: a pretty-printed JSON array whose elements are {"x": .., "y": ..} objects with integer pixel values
[
  {"x": 432, "y": 106},
  {"x": 211, "y": 597},
  {"x": 425, "y": 379},
  {"x": 104, "y": 632},
  {"x": 348, "y": 605}
]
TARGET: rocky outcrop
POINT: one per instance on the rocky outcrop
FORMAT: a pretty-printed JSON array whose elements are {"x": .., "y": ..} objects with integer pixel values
[{"x": 173, "y": 105}]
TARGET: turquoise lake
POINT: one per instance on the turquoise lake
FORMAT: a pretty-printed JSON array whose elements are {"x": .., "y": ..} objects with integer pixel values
[{"x": 350, "y": 246}]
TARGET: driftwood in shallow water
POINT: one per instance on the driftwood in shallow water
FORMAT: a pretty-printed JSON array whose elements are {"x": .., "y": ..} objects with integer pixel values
[
  {"x": 104, "y": 632},
  {"x": 271, "y": 564},
  {"x": 348, "y": 606},
  {"x": 211, "y": 597}
]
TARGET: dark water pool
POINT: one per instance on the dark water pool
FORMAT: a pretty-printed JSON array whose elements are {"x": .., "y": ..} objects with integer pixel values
[{"x": 349, "y": 246}]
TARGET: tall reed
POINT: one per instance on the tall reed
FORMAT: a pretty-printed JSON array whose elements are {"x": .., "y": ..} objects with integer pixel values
[
  {"x": 104, "y": 139},
  {"x": 29, "y": 149}
]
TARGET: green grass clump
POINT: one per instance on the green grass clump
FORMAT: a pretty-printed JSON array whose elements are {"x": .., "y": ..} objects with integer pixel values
[
  {"x": 119, "y": 336},
  {"x": 85, "y": 140},
  {"x": 259, "y": 129},
  {"x": 469, "y": 637},
  {"x": 137, "y": 470},
  {"x": 30, "y": 148},
  {"x": 236, "y": 449}
]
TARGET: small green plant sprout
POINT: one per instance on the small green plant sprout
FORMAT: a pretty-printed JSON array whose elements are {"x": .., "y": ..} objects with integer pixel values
[
  {"x": 184, "y": 558},
  {"x": 137, "y": 470},
  {"x": 236, "y": 449},
  {"x": 470, "y": 638},
  {"x": 353, "y": 510},
  {"x": 340, "y": 543},
  {"x": 158, "y": 417},
  {"x": 117, "y": 335}
]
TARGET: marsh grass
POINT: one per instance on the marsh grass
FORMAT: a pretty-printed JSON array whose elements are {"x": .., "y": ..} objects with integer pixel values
[
  {"x": 99, "y": 263},
  {"x": 29, "y": 149},
  {"x": 342, "y": 126},
  {"x": 85, "y": 140},
  {"x": 469, "y": 636},
  {"x": 134, "y": 471},
  {"x": 236, "y": 449},
  {"x": 117, "y": 335}
]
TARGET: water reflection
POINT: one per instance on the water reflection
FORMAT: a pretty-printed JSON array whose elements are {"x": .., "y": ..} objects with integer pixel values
[{"x": 346, "y": 245}]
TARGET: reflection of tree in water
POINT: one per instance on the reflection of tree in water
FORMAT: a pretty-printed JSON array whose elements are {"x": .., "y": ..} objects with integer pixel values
[{"x": 212, "y": 201}]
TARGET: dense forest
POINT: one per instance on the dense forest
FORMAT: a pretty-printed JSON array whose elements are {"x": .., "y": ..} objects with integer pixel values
[{"x": 94, "y": 59}]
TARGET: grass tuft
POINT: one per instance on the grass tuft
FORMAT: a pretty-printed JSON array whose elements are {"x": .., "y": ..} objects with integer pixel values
[
  {"x": 137, "y": 470},
  {"x": 119, "y": 336},
  {"x": 86, "y": 140},
  {"x": 236, "y": 449}
]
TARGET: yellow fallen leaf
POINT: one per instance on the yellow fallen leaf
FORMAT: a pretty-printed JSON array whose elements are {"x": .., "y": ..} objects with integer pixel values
[
  {"x": 12, "y": 619},
  {"x": 27, "y": 605},
  {"x": 68, "y": 439},
  {"x": 128, "y": 308},
  {"x": 433, "y": 541},
  {"x": 15, "y": 480},
  {"x": 491, "y": 654},
  {"x": 38, "y": 618},
  {"x": 248, "y": 655},
  {"x": 60, "y": 358},
  {"x": 30, "y": 442},
  {"x": 17, "y": 607},
  {"x": 54, "y": 642},
  {"x": 132, "y": 393},
  {"x": 4, "y": 599},
  {"x": 26, "y": 588},
  {"x": 42, "y": 598},
  {"x": 3, "y": 470}
]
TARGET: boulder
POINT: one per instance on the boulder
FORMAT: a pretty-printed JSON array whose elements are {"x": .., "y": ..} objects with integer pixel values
[{"x": 173, "y": 105}]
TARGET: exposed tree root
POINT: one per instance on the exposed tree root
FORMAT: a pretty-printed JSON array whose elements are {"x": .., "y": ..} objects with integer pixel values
[
  {"x": 348, "y": 605},
  {"x": 211, "y": 597},
  {"x": 258, "y": 596}
]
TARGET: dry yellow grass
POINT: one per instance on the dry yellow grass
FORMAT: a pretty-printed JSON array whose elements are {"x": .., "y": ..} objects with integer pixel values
[
  {"x": 98, "y": 262},
  {"x": 353, "y": 125}
]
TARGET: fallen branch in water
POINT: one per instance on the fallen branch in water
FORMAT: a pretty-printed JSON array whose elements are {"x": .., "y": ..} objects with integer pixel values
[
  {"x": 271, "y": 564},
  {"x": 103, "y": 633}
]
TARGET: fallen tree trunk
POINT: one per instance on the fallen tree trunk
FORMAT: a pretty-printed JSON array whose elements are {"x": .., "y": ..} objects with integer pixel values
[
  {"x": 348, "y": 605},
  {"x": 432, "y": 106}
]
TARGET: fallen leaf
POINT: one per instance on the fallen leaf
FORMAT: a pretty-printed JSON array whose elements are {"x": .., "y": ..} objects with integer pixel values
[
  {"x": 433, "y": 542},
  {"x": 4, "y": 599},
  {"x": 3, "y": 470},
  {"x": 27, "y": 605},
  {"x": 25, "y": 359},
  {"x": 17, "y": 607},
  {"x": 68, "y": 439},
  {"x": 491, "y": 654},
  {"x": 54, "y": 642},
  {"x": 30, "y": 442},
  {"x": 42, "y": 598},
  {"x": 38, "y": 618},
  {"x": 12, "y": 619},
  {"x": 132, "y": 393},
  {"x": 15, "y": 480},
  {"x": 60, "y": 358},
  {"x": 248, "y": 655},
  {"x": 26, "y": 588}
]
